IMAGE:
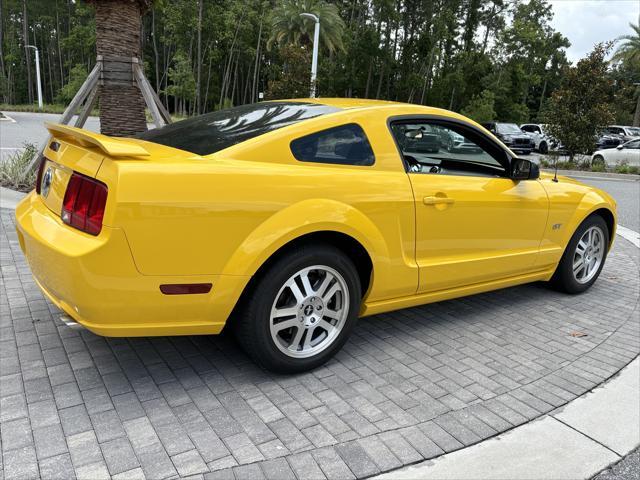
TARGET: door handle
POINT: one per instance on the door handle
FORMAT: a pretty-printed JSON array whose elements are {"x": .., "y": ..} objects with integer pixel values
[{"x": 437, "y": 200}]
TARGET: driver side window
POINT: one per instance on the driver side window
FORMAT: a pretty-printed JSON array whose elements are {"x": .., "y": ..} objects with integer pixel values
[{"x": 443, "y": 149}]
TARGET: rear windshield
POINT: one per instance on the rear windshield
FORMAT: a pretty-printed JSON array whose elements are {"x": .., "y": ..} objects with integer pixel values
[{"x": 216, "y": 131}]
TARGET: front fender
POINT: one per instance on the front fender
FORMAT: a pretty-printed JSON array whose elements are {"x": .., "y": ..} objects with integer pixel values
[
  {"x": 591, "y": 202},
  {"x": 308, "y": 216}
]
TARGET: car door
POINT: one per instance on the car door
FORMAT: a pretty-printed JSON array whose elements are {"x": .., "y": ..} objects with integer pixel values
[
  {"x": 631, "y": 153},
  {"x": 474, "y": 224}
]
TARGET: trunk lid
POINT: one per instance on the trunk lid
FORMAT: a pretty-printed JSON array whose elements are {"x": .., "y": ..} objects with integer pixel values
[{"x": 72, "y": 150}]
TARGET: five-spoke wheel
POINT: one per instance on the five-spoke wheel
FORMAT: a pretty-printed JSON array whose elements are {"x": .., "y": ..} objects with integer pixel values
[
  {"x": 588, "y": 254},
  {"x": 583, "y": 257},
  {"x": 300, "y": 309},
  {"x": 309, "y": 311}
]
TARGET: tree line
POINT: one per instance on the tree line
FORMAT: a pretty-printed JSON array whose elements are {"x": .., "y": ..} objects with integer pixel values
[{"x": 490, "y": 59}]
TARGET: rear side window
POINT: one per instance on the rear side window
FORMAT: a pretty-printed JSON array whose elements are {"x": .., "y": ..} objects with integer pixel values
[
  {"x": 216, "y": 131},
  {"x": 343, "y": 145}
]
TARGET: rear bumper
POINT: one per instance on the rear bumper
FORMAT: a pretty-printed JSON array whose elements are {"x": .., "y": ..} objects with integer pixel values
[{"x": 95, "y": 281}]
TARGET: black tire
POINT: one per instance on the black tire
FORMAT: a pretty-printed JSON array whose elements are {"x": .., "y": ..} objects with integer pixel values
[
  {"x": 543, "y": 147},
  {"x": 252, "y": 321},
  {"x": 598, "y": 160},
  {"x": 564, "y": 279}
]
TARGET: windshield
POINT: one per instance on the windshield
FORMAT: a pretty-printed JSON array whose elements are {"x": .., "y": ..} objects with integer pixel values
[
  {"x": 634, "y": 131},
  {"x": 508, "y": 128},
  {"x": 216, "y": 131}
]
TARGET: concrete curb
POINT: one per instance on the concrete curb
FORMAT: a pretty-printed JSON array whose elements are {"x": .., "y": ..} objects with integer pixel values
[
  {"x": 578, "y": 440},
  {"x": 10, "y": 198}
]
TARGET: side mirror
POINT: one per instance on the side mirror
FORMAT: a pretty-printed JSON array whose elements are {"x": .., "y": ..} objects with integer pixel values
[
  {"x": 619, "y": 147},
  {"x": 522, "y": 169}
]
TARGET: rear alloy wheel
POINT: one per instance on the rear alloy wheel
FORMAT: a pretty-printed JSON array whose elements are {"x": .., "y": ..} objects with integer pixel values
[
  {"x": 309, "y": 311},
  {"x": 300, "y": 310},
  {"x": 584, "y": 256}
]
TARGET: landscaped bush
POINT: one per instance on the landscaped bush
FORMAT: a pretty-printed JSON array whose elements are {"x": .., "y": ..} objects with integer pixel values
[
  {"x": 585, "y": 164},
  {"x": 13, "y": 167}
]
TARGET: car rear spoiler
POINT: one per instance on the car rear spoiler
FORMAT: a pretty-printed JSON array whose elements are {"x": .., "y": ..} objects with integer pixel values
[{"x": 114, "y": 147}]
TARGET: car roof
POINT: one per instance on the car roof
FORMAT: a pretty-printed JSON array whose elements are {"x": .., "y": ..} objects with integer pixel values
[{"x": 346, "y": 103}]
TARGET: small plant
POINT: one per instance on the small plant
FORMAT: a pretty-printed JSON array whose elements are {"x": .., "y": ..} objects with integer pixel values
[
  {"x": 13, "y": 167},
  {"x": 622, "y": 168},
  {"x": 544, "y": 163},
  {"x": 634, "y": 170}
]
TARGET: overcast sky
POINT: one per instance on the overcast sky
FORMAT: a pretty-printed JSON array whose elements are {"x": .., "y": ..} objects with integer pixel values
[{"x": 587, "y": 22}]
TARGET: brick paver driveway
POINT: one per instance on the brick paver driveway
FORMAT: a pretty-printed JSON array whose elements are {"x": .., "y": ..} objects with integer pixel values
[{"x": 408, "y": 386}]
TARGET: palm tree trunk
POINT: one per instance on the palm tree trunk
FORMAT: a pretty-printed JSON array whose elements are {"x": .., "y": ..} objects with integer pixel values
[{"x": 122, "y": 107}]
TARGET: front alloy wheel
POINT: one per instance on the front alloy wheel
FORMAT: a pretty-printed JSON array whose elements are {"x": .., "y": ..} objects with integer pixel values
[
  {"x": 588, "y": 255},
  {"x": 584, "y": 256}
]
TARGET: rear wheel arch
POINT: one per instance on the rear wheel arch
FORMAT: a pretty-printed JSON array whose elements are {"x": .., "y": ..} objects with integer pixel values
[{"x": 343, "y": 242}]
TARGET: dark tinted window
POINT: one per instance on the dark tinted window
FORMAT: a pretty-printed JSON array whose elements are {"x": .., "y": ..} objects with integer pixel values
[
  {"x": 344, "y": 145},
  {"x": 216, "y": 131},
  {"x": 530, "y": 128}
]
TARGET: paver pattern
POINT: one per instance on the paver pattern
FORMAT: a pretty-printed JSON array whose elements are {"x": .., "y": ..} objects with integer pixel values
[{"x": 408, "y": 386}]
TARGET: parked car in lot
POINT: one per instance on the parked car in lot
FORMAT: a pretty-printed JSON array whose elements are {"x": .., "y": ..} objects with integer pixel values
[
  {"x": 511, "y": 136},
  {"x": 421, "y": 139},
  {"x": 627, "y": 153},
  {"x": 605, "y": 141},
  {"x": 286, "y": 221},
  {"x": 454, "y": 142},
  {"x": 542, "y": 141},
  {"x": 623, "y": 132}
]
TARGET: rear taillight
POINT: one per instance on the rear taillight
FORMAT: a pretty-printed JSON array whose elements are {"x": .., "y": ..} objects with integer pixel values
[
  {"x": 84, "y": 202},
  {"x": 39, "y": 176}
]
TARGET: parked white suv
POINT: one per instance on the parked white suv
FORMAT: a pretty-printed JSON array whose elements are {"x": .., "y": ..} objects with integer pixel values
[
  {"x": 542, "y": 141},
  {"x": 623, "y": 132}
]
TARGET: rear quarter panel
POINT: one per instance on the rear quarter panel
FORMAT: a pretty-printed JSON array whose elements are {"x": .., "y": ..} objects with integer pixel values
[{"x": 227, "y": 213}]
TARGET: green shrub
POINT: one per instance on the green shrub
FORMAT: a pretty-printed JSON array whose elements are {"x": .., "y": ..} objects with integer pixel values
[
  {"x": 634, "y": 170},
  {"x": 598, "y": 167},
  {"x": 544, "y": 163},
  {"x": 13, "y": 167},
  {"x": 77, "y": 76},
  {"x": 481, "y": 107}
]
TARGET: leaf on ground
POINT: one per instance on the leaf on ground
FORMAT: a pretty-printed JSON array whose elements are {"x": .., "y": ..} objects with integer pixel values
[{"x": 578, "y": 334}]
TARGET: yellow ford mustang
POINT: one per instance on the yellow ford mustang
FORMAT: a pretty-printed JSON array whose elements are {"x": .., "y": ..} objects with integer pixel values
[{"x": 288, "y": 220}]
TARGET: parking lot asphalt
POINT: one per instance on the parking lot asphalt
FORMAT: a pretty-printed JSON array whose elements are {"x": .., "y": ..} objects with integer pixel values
[
  {"x": 627, "y": 195},
  {"x": 28, "y": 127},
  {"x": 408, "y": 386}
]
